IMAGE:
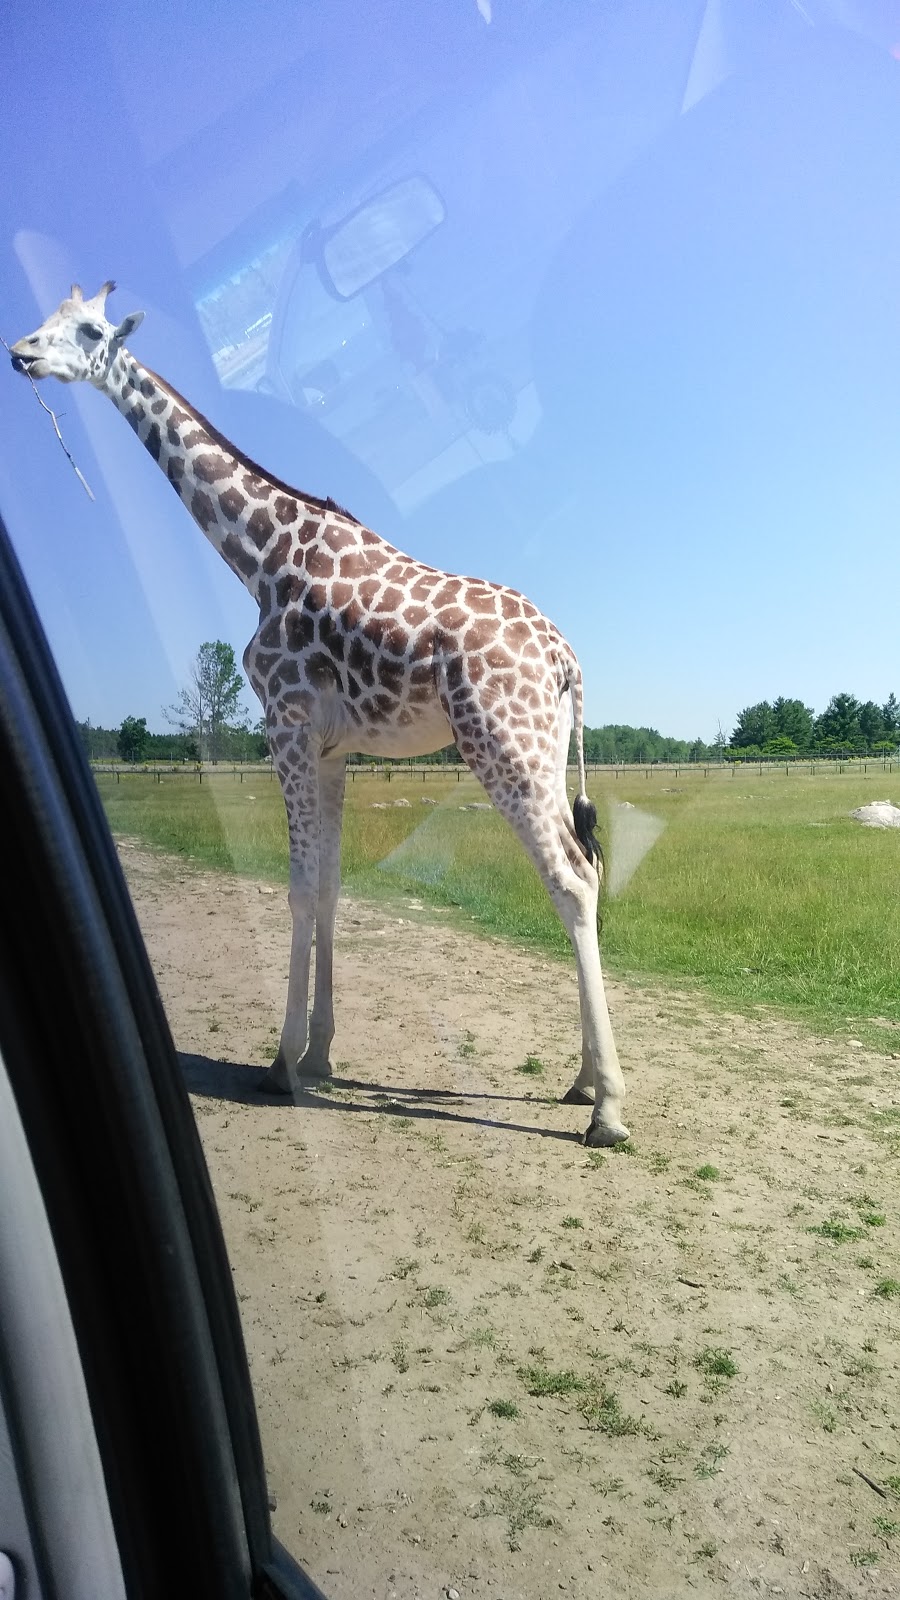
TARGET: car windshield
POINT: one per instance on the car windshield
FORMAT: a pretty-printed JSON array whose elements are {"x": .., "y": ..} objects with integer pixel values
[{"x": 563, "y": 1266}]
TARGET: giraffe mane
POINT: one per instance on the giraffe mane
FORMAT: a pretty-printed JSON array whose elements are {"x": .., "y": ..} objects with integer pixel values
[{"x": 326, "y": 504}]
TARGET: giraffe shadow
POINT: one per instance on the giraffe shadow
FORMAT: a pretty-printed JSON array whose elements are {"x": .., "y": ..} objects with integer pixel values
[{"x": 242, "y": 1083}]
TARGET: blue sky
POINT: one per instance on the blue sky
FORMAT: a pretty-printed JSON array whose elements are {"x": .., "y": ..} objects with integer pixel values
[{"x": 655, "y": 344}]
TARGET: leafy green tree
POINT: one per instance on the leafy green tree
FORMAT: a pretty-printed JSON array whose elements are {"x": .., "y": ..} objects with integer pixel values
[
  {"x": 890, "y": 711},
  {"x": 794, "y": 721},
  {"x": 755, "y": 724},
  {"x": 871, "y": 722},
  {"x": 132, "y": 738},
  {"x": 838, "y": 726},
  {"x": 779, "y": 746},
  {"x": 209, "y": 705}
]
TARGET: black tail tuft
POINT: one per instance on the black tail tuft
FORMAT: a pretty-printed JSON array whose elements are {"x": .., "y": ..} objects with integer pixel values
[{"x": 585, "y": 815}]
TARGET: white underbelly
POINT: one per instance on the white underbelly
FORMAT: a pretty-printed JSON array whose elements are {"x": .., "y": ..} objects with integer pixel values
[{"x": 429, "y": 732}]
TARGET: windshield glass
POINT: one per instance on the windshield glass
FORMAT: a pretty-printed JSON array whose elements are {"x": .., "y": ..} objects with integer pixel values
[{"x": 553, "y": 1278}]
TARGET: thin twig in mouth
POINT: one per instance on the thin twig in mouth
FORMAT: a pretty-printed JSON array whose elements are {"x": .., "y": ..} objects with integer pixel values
[{"x": 52, "y": 415}]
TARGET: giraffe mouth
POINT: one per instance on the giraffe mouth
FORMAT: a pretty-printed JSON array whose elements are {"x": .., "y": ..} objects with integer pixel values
[{"x": 28, "y": 366}]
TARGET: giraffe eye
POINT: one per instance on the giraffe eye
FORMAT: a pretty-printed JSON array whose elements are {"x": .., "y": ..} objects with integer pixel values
[{"x": 92, "y": 331}]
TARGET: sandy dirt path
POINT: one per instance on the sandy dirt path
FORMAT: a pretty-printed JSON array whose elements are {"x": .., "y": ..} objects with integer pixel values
[{"x": 488, "y": 1361}]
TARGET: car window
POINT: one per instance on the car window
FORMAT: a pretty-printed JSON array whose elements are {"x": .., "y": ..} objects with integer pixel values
[{"x": 525, "y": 376}]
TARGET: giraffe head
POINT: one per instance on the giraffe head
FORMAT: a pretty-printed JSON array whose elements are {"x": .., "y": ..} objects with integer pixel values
[{"x": 76, "y": 342}]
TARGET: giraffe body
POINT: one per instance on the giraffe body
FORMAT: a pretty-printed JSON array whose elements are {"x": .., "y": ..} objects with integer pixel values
[{"x": 362, "y": 648}]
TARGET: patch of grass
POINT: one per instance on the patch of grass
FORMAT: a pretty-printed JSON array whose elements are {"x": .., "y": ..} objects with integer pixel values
[
  {"x": 888, "y": 1289},
  {"x": 716, "y": 1363},
  {"x": 572, "y": 1222},
  {"x": 864, "y": 1558},
  {"x": 676, "y": 1389},
  {"x": 837, "y": 1231},
  {"x": 543, "y": 1381},
  {"x": 400, "y": 1356},
  {"x": 532, "y": 1066},
  {"x": 503, "y": 1408},
  {"x": 603, "y": 1413},
  {"x": 436, "y": 1297},
  {"x": 404, "y": 1266},
  {"x": 888, "y": 1527},
  {"x": 825, "y": 1415},
  {"x": 706, "y": 1550},
  {"x": 740, "y": 895},
  {"x": 322, "y": 1506},
  {"x": 663, "y": 1476},
  {"x": 707, "y": 1173},
  {"x": 874, "y": 1219},
  {"x": 521, "y": 1504},
  {"x": 536, "y": 1255},
  {"x": 482, "y": 1338}
]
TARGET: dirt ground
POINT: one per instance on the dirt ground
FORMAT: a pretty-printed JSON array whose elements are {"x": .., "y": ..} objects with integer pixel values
[{"x": 487, "y": 1361}]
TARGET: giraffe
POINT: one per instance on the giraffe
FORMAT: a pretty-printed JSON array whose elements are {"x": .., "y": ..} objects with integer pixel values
[{"x": 362, "y": 648}]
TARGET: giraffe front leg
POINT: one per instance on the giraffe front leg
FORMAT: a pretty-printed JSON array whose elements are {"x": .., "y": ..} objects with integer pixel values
[
  {"x": 315, "y": 1062},
  {"x": 283, "y": 1074},
  {"x": 297, "y": 768}
]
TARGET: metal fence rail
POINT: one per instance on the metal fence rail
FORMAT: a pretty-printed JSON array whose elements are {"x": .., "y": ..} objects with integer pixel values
[{"x": 386, "y": 770}]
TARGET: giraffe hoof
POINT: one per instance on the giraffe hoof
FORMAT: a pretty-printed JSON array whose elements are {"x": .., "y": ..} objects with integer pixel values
[
  {"x": 600, "y": 1136},
  {"x": 276, "y": 1080},
  {"x": 577, "y": 1097}
]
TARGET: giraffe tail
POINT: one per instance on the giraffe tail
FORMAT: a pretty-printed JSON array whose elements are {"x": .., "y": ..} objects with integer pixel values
[{"x": 584, "y": 812}]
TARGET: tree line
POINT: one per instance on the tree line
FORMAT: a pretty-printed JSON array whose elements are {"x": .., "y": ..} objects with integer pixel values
[
  {"x": 209, "y": 724},
  {"x": 787, "y": 727}
]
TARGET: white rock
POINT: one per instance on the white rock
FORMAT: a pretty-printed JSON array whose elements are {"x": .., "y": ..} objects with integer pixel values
[{"x": 880, "y": 814}]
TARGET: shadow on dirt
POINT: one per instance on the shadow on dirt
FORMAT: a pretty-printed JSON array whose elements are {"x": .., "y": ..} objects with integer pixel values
[{"x": 236, "y": 1081}]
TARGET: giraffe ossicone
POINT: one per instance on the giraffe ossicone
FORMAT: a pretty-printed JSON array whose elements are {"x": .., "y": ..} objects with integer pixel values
[{"x": 362, "y": 648}]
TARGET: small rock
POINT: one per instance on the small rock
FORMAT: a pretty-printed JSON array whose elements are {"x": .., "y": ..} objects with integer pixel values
[
  {"x": 426, "y": 801},
  {"x": 402, "y": 803},
  {"x": 264, "y": 890},
  {"x": 273, "y": 1501},
  {"x": 855, "y": 1044},
  {"x": 342, "y": 1520},
  {"x": 452, "y": 1594}
]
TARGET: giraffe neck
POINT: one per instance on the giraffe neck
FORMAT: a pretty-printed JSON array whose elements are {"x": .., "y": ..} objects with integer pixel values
[{"x": 244, "y": 513}]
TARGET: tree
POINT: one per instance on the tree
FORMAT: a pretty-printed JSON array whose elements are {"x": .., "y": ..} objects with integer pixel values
[
  {"x": 755, "y": 724},
  {"x": 207, "y": 708},
  {"x": 132, "y": 738},
  {"x": 838, "y": 727},
  {"x": 871, "y": 722},
  {"x": 781, "y": 745},
  {"x": 890, "y": 711},
  {"x": 794, "y": 721}
]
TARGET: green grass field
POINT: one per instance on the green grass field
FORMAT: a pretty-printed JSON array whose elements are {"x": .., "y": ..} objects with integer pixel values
[{"x": 759, "y": 888}]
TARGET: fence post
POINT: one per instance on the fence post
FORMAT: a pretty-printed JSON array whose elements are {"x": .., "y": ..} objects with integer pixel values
[{"x": 118, "y": 779}]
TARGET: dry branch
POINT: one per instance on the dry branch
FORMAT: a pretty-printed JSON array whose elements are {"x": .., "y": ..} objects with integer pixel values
[{"x": 52, "y": 415}]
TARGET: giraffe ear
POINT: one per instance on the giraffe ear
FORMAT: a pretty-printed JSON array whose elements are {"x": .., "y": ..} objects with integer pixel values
[{"x": 127, "y": 326}]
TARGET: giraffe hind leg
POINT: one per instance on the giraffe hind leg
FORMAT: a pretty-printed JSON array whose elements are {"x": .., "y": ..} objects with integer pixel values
[{"x": 532, "y": 808}]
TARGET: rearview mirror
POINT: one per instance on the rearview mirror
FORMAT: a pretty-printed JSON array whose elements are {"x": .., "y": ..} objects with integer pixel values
[{"x": 378, "y": 234}]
